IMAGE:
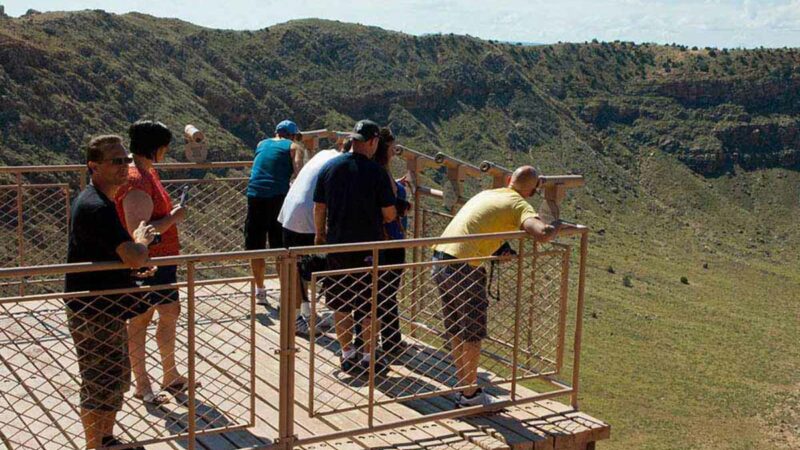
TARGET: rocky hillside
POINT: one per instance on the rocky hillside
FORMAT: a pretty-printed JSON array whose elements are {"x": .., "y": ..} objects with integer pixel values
[
  {"x": 607, "y": 110},
  {"x": 692, "y": 161}
]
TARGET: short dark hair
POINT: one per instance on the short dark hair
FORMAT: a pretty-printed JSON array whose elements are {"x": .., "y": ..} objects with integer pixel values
[
  {"x": 96, "y": 150},
  {"x": 385, "y": 137},
  {"x": 147, "y": 136}
]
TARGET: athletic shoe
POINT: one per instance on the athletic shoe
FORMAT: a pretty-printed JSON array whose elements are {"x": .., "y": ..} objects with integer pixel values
[
  {"x": 261, "y": 299},
  {"x": 480, "y": 398},
  {"x": 325, "y": 322},
  {"x": 350, "y": 364},
  {"x": 302, "y": 327},
  {"x": 396, "y": 350},
  {"x": 111, "y": 441},
  {"x": 380, "y": 366}
]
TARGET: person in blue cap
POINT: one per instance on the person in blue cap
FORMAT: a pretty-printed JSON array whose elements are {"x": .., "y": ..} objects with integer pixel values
[{"x": 277, "y": 161}]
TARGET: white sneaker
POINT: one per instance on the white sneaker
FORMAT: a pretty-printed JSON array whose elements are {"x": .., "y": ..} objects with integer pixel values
[
  {"x": 480, "y": 398},
  {"x": 325, "y": 322},
  {"x": 261, "y": 298}
]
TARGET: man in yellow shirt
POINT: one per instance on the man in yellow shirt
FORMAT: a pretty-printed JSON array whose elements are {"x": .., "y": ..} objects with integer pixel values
[{"x": 462, "y": 286}]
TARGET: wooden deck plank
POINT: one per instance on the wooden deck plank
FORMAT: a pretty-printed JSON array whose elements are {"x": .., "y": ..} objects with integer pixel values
[{"x": 223, "y": 326}]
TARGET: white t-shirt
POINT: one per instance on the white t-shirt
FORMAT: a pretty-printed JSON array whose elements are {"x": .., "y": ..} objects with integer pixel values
[{"x": 297, "y": 212}]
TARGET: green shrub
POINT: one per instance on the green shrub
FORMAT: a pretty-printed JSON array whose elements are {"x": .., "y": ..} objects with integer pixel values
[{"x": 627, "y": 281}]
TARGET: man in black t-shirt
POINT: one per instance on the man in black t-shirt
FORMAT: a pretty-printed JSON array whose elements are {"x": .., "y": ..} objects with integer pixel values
[
  {"x": 352, "y": 199},
  {"x": 97, "y": 323}
]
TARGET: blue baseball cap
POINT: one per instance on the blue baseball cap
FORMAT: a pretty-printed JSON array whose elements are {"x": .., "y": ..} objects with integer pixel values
[{"x": 287, "y": 126}]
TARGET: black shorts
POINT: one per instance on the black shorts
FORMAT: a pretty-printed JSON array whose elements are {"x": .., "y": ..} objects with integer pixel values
[
  {"x": 164, "y": 275},
  {"x": 293, "y": 239},
  {"x": 350, "y": 292},
  {"x": 262, "y": 223},
  {"x": 462, "y": 290}
]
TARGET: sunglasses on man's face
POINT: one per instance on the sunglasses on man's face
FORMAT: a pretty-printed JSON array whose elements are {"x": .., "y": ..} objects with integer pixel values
[{"x": 123, "y": 161}]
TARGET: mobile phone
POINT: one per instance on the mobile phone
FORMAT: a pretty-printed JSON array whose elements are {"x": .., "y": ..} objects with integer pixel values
[{"x": 184, "y": 195}]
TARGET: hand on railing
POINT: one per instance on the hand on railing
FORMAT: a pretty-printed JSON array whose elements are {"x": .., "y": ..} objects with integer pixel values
[
  {"x": 550, "y": 231},
  {"x": 144, "y": 272}
]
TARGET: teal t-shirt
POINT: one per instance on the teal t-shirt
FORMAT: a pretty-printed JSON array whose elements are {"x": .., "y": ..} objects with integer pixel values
[{"x": 272, "y": 169}]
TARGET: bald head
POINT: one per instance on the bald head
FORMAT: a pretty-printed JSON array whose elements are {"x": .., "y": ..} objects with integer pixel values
[{"x": 524, "y": 180}]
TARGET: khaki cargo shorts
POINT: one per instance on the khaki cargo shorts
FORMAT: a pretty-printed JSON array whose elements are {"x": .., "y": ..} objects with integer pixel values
[{"x": 101, "y": 343}]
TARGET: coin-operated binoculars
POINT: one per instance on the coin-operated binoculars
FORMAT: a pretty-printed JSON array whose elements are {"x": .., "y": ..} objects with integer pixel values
[{"x": 195, "y": 148}]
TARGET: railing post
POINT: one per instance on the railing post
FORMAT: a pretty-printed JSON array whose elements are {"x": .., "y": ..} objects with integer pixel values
[
  {"x": 416, "y": 256},
  {"x": 534, "y": 267},
  {"x": 20, "y": 231},
  {"x": 287, "y": 351},
  {"x": 576, "y": 364},
  {"x": 192, "y": 407},
  {"x": 562, "y": 312},
  {"x": 84, "y": 174},
  {"x": 517, "y": 317},
  {"x": 373, "y": 337},
  {"x": 252, "y": 353}
]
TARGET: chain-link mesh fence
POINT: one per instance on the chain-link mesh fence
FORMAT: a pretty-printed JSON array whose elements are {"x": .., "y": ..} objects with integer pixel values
[
  {"x": 128, "y": 351},
  {"x": 407, "y": 331},
  {"x": 34, "y": 217}
]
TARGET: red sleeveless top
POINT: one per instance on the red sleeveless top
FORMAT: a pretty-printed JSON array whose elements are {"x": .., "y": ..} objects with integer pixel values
[{"x": 150, "y": 183}]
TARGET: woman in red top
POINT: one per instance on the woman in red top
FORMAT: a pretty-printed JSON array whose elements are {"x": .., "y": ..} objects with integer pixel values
[{"x": 145, "y": 199}]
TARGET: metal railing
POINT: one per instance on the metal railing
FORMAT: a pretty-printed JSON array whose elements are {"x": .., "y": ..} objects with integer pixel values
[
  {"x": 34, "y": 213},
  {"x": 526, "y": 325},
  {"x": 526, "y": 328},
  {"x": 219, "y": 329}
]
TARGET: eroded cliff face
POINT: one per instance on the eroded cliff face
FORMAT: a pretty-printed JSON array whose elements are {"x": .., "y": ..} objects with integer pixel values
[
  {"x": 777, "y": 93},
  {"x": 711, "y": 125},
  {"x": 767, "y": 145}
]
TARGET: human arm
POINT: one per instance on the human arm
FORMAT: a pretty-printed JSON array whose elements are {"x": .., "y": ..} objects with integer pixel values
[
  {"x": 389, "y": 213},
  {"x": 320, "y": 223},
  {"x": 320, "y": 209},
  {"x": 134, "y": 253},
  {"x": 386, "y": 197},
  {"x": 540, "y": 231},
  {"x": 138, "y": 207},
  {"x": 297, "y": 151}
]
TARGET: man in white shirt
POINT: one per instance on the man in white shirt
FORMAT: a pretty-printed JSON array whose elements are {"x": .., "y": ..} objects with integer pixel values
[{"x": 297, "y": 219}]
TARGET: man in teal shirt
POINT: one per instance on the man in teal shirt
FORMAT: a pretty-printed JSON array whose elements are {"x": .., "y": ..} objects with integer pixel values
[{"x": 277, "y": 162}]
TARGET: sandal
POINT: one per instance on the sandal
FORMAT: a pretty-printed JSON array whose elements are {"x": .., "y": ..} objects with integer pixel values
[
  {"x": 152, "y": 398},
  {"x": 180, "y": 387}
]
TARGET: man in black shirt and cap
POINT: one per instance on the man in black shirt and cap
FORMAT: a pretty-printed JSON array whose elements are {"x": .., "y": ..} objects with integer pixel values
[
  {"x": 97, "y": 323},
  {"x": 352, "y": 199}
]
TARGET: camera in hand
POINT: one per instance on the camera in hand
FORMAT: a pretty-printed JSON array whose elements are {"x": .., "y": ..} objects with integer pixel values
[{"x": 156, "y": 239}]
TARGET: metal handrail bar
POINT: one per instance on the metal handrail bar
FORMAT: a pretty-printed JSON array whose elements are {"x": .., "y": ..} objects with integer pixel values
[{"x": 81, "y": 167}]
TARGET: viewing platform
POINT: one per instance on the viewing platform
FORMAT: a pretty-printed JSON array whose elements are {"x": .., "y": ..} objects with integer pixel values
[
  {"x": 252, "y": 382},
  {"x": 40, "y": 395}
]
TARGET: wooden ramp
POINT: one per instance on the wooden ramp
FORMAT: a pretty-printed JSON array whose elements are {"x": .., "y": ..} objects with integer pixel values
[{"x": 39, "y": 392}]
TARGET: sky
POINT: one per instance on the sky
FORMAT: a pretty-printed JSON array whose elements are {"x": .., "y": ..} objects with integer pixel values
[{"x": 716, "y": 23}]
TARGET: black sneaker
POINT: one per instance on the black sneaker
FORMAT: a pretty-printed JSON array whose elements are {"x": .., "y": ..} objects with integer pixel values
[
  {"x": 479, "y": 398},
  {"x": 112, "y": 441},
  {"x": 396, "y": 350},
  {"x": 349, "y": 365},
  {"x": 381, "y": 367}
]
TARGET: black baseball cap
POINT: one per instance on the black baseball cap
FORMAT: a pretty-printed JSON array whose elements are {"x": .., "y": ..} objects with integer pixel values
[{"x": 365, "y": 130}]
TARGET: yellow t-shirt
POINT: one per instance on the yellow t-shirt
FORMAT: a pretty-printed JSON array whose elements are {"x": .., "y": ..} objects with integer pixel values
[{"x": 492, "y": 211}]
